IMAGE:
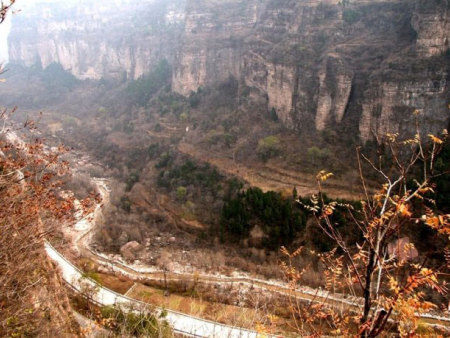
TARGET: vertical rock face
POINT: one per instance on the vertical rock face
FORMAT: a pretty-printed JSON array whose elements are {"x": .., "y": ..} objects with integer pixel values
[
  {"x": 280, "y": 90},
  {"x": 365, "y": 64},
  {"x": 213, "y": 43},
  {"x": 335, "y": 83},
  {"x": 98, "y": 39},
  {"x": 389, "y": 107},
  {"x": 362, "y": 66},
  {"x": 432, "y": 27}
]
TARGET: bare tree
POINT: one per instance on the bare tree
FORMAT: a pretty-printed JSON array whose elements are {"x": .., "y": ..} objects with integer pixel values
[
  {"x": 165, "y": 262},
  {"x": 5, "y": 8}
]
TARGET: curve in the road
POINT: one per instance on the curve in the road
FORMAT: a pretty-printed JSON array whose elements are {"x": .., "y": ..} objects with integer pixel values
[{"x": 181, "y": 323}]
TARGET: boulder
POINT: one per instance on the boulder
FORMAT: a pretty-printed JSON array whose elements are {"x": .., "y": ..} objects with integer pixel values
[{"x": 131, "y": 250}]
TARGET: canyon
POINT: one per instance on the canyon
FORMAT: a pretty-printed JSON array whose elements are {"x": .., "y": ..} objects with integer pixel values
[
  {"x": 203, "y": 132},
  {"x": 362, "y": 65}
]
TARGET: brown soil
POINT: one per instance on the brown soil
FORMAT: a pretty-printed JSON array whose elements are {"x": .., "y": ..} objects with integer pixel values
[{"x": 118, "y": 284}]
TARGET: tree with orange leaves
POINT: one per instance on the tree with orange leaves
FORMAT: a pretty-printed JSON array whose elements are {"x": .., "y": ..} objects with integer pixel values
[
  {"x": 32, "y": 207},
  {"x": 387, "y": 288}
]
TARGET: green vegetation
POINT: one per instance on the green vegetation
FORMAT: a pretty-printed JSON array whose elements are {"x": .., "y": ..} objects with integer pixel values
[
  {"x": 215, "y": 137},
  {"x": 180, "y": 176},
  {"x": 268, "y": 147},
  {"x": 92, "y": 275},
  {"x": 125, "y": 204},
  {"x": 131, "y": 180},
  {"x": 280, "y": 218},
  {"x": 153, "y": 150},
  {"x": 351, "y": 16},
  {"x": 164, "y": 160},
  {"x": 141, "y": 90},
  {"x": 181, "y": 193},
  {"x": 318, "y": 156},
  {"x": 142, "y": 324},
  {"x": 56, "y": 78},
  {"x": 184, "y": 117},
  {"x": 273, "y": 115}
]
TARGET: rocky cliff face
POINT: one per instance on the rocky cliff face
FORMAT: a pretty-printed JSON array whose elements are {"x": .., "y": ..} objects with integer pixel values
[
  {"x": 362, "y": 65},
  {"x": 431, "y": 21},
  {"x": 213, "y": 43},
  {"x": 111, "y": 39}
]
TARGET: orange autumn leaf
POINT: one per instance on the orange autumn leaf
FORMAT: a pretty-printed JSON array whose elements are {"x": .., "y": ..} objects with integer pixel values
[{"x": 403, "y": 209}]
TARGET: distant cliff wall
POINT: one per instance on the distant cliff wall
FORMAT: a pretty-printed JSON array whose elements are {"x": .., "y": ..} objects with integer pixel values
[
  {"x": 95, "y": 39},
  {"x": 362, "y": 64}
]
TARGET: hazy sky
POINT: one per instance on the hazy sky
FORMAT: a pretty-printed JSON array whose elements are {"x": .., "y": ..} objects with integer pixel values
[{"x": 4, "y": 30}]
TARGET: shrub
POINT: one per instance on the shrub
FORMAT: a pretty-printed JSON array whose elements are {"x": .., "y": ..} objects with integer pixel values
[
  {"x": 141, "y": 90},
  {"x": 280, "y": 218},
  {"x": 139, "y": 324},
  {"x": 164, "y": 160},
  {"x": 131, "y": 180},
  {"x": 351, "y": 16},
  {"x": 92, "y": 275},
  {"x": 273, "y": 115},
  {"x": 181, "y": 193},
  {"x": 318, "y": 155},
  {"x": 268, "y": 147}
]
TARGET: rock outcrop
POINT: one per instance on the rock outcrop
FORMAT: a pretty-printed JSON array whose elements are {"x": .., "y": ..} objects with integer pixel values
[
  {"x": 335, "y": 84},
  {"x": 364, "y": 66},
  {"x": 433, "y": 27},
  {"x": 131, "y": 250}
]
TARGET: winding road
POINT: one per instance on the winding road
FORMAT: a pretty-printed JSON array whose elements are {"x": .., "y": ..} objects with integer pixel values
[
  {"x": 181, "y": 323},
  {"x": 184, "y": 323}
]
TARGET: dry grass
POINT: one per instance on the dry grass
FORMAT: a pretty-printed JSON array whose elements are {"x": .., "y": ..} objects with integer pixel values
[
  {"x": 226, "y": 314},
  {"x": 118, "y": 284}
]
